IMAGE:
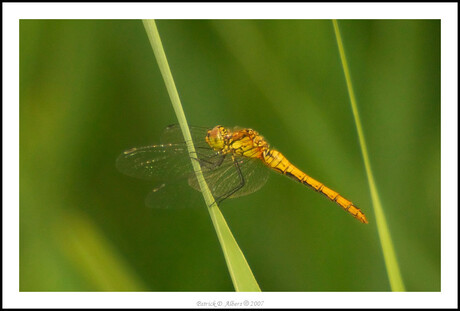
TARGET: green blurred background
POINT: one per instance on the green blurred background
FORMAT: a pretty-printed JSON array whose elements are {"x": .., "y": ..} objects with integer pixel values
[{"x": 90, "y": 89}]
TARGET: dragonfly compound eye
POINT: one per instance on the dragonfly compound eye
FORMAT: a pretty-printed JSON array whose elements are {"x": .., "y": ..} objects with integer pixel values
[{"x": 215, "y": 139}]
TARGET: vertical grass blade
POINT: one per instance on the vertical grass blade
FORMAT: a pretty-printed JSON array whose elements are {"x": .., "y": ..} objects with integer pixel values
[
  {"x": 389, "y": 254},
  {"x": 240, "y": 272}
]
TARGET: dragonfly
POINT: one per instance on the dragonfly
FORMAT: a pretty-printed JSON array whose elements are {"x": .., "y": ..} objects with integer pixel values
[{"x": 235, "y": 162}]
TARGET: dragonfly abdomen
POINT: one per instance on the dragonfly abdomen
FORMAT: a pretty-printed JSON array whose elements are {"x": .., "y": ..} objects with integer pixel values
[{"x": 278, "y": 162}]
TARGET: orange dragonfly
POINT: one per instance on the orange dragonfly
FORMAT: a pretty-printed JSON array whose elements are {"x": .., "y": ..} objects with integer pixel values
[{"x": 234, "y": 164}]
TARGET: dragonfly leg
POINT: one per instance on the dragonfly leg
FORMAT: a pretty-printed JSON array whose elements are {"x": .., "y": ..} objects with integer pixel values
[
  {"x": 238, "y": 187},
  {"x": 211, "y": 164}
]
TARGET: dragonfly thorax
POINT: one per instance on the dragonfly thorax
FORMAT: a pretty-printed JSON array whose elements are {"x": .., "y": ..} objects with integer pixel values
[{"x": 244, "y": 142}]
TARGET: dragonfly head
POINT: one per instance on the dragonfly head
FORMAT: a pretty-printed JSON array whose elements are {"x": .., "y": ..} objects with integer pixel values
[{"x": 216, "y": 137}]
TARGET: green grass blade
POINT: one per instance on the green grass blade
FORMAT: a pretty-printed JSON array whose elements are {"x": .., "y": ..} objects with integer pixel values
[
  {"x": 389, "y": 254},
  {"x": 90, "y": 252},
  {"x": 240, "y": 272}
]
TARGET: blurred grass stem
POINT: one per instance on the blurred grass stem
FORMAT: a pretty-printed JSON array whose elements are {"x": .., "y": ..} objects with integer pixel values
[
  {"x": 386, "y": 242},
  {"x": 240, "y": 272}
]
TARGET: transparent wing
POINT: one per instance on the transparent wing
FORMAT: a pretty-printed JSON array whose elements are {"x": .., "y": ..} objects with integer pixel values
[
  {"x": 157, "y": 162},
  {"x": 174, "y": 195},
  {"x": 249, "y": 174},
  {"x": 170, "y": 161},
  {"x": 167, "y": 161},
  {"x": 173, "y": 134}
]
